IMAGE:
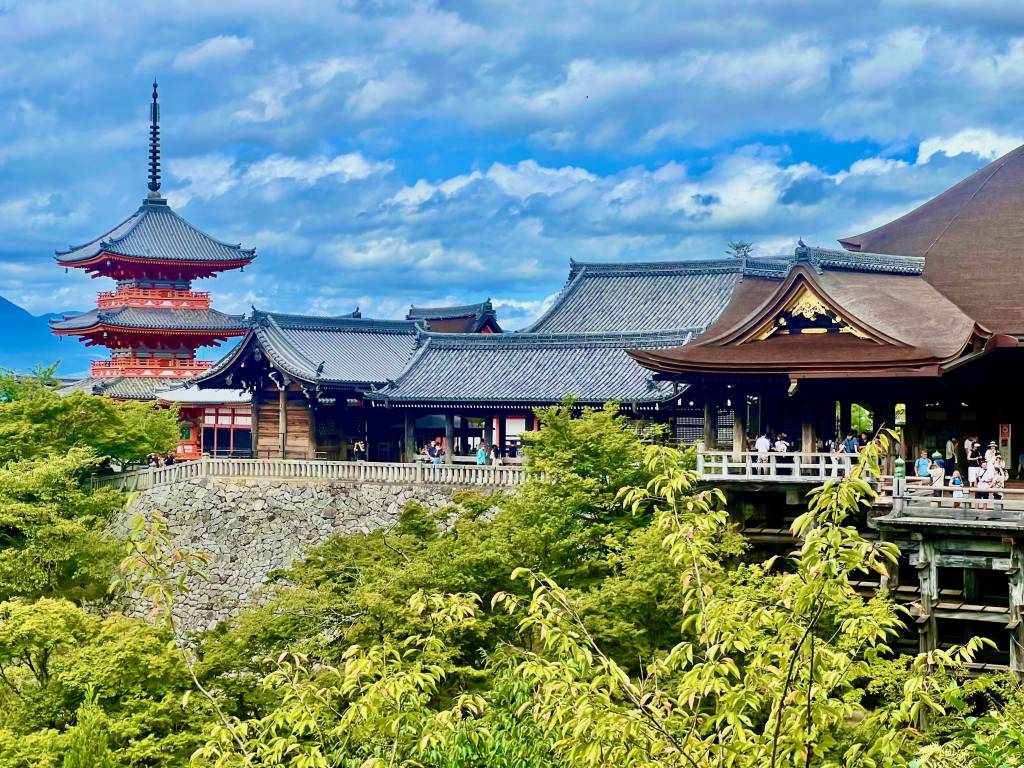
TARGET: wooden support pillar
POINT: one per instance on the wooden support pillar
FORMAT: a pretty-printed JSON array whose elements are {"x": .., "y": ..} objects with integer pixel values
[
  {"x": 502, "y": 434},
  {"x": 928, "y": 576},
  {"x": 282, "y": 420},
  {"x": 1015, "y": 577},
  {"x": 808, "y": 438},
  {"x": 489, "y": 430},
  {"x": 530, "y": 422},
  {"x": 449, "y": 437},
  {"x": 739, "y": 430},
  {"x": 409, "y": 438},
  {"x": 710, "y": 424}
]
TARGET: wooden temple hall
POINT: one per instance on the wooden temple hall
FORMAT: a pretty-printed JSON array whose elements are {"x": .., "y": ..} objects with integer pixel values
[{"x": 920, "y": 321}]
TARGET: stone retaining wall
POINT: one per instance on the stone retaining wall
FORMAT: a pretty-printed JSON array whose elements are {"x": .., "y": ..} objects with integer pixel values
[{"x": 252, "y": 527}]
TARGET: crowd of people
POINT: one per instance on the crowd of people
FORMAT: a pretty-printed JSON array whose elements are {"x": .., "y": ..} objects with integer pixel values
[
  {"x": 962, "y": 465},
  {"x": 434, "y": 453},
  {"x": 155, "y": 460}
]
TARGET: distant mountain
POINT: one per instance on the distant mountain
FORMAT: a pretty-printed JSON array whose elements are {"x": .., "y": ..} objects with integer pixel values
[{"x": 26, "y": 341}]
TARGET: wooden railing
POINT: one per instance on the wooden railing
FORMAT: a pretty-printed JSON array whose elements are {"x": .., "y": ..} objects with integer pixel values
[
  {"x": 961, "y": 503},
  {"x": 772, "y": 467},
  {"x": 297, "y": 469}
]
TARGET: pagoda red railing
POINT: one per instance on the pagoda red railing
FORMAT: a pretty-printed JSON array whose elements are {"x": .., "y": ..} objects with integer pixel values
[
  {"x": 167, "y": 298},
  {"x": 145, "y": 367}
]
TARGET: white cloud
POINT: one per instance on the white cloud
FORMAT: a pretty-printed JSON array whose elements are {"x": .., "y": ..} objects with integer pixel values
[
  {"x": 374, "y": 94},
  {"x": 894, "y": 57},
  {"x": 306, "y": 172},
  {"x": 982, "y": 142},
  {"x": 215, "y": 50}
]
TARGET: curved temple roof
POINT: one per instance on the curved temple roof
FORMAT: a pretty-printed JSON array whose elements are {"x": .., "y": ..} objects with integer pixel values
[
  {"x": 885, "y": 319},
  {"x": 972, "y": 239},
  {"x": 529, "y": 369},
  {"x": 324, "y": 350},
  {"x": 157, "y": 233},
  {"x": 466, "y": 318},
  {"x": 640, "y": 296}
]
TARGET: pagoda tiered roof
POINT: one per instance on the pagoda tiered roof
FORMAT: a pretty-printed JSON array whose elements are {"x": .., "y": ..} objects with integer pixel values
[
  {"x": 149, "y": 319},
  {"x": 155, "y": 234},
  {"x": 465, "y": 318}
]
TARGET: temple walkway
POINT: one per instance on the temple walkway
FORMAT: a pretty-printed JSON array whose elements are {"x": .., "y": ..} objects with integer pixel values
[{"x": 468, "y": 475}]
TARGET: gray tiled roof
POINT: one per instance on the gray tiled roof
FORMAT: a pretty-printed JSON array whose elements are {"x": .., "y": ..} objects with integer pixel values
[
  {"x": 836, "y": 259},
  {"x": 441, "y": 313},
  {"x": 530, "y": 368},
  {"x": 648, "y": 296},
  {"x": 640, "y": 296},
  {"x": 351, "y": 350},
  {"x": 150, "y": 317},
  {"x": 121, "y": 388},
  {"x": 156, "y": 232}
]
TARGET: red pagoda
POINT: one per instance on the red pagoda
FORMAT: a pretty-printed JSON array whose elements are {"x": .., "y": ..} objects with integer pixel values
[{"x": 153, "y": 321}]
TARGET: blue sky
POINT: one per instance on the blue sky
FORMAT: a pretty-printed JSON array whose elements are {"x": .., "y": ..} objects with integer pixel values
[{"x": 380, "y": 154}]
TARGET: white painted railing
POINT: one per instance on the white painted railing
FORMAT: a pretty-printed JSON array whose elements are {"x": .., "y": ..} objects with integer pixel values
[
  {"x": 772, "y": 467},
  {"x": 298, "y": 469}
]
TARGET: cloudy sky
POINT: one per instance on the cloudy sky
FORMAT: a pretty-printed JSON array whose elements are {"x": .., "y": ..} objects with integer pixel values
[{"x": 386, "y": 153}]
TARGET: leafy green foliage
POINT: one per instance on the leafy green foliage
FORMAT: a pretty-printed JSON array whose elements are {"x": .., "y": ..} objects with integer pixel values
[
  {"x": 36, "y": 422},
  {"x": 602, "y": 615},
  {"x": 51, "y": 529}
]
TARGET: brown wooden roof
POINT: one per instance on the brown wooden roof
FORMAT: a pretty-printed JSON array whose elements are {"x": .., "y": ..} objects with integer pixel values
[
  {"x": 900, "y": 325},
  {"x": 972, "y": 239}
]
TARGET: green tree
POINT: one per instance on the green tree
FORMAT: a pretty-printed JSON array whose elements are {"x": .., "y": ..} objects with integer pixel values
[
  {"x": 52, "y": 540},
  {"x": 35, "y": 422},
  {"x": 739, "y": 249}
]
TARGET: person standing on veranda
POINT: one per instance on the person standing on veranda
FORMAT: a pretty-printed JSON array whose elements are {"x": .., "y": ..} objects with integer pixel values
[
  {"x": 763, "y": 446},
  {"x": 481, "y": 454},
  {"x": 952, "y": 449}
]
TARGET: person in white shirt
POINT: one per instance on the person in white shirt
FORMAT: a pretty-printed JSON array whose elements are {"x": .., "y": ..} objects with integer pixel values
[
  {"x": 986, "y": 480},
  {"x": 781, "y": 446},
  {"x": 763, "y": 446}
]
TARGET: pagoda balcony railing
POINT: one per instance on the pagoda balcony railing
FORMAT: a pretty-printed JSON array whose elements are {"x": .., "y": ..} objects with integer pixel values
[
  {"x": 147, "y": 367},
  {"x": 772, "y": 467},
  {"x": 161, "y": 298}
]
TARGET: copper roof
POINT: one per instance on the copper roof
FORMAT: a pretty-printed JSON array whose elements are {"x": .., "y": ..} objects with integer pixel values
[
  {"x": 466, "y": 318},
  {"x": 972, "y": 239}
]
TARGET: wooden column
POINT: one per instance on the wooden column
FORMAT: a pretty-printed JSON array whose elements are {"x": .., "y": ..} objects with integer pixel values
[
  {"x": 282, "y": 420},
  {"x": 489, "y": 430},
  {"x": 409, "y": 438},
  {"x": 807, "y": 436},
  {"x": 739, "y": 430},
  {"x": 502, "y": 433},
  {"x": 449, "y": 437},
  {"x": 928, "y": 576},
  {"x": 530, "y": 422},
  {"x": 710, "y": 425},
  {"x": 1015, "y": 577},
  {"x": 254, "y": 411},
  {"x": 845, "y": 418}
]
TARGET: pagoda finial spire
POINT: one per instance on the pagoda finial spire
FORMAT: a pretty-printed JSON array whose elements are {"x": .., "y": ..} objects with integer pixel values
[{"x": 154, "y": 145}]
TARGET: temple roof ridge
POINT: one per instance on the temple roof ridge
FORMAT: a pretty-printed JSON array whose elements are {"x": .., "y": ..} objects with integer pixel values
[{"x": 353, "y": 321}]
